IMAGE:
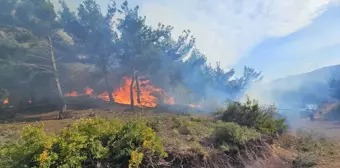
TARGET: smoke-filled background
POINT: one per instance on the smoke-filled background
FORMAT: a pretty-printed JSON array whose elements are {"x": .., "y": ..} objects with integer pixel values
[
  {"x": 51, "y": 54},
  {"x": 185, "y": 83},
  {"x": 124, "y": 52}
]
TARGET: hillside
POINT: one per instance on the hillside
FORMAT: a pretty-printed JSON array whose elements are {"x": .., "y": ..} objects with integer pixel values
[{"x": 300, "y": 90}]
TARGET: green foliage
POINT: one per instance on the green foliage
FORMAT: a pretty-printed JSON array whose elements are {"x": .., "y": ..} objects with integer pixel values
[
  {"x": 87, "y": 142},
  {"x": 27, "y": 151},
  {"x": 231, "y": 133},
  {"x": 141, "y": 50},
  {"x": 195, "y": 127},
  {"x": 250, "y": 114}
]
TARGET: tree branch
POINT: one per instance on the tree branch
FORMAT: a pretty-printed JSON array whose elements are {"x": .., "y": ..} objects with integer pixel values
[{"x": 43, "y": 67}]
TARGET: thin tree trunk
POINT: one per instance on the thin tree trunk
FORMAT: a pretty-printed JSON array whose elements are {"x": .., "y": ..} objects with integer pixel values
[
  {"x": 56, "y": 76},
  {"x": 138, "y": 89},
  {"x": 108, "y": 89},
  {"x": 132, "y": 101}
]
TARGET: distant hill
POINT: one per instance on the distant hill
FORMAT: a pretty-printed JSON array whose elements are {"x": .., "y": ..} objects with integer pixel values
[{"x": 299, "y": 90}]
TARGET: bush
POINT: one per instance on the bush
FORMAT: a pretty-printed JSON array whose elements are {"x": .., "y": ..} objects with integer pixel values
[
  {"x": 250, "y": 114},
  {"x": 25, "y": 152},
  {"x": 231, "y": 133},
  {"x": 86, "y": 143},
  {"x": 304, "y": 161}
]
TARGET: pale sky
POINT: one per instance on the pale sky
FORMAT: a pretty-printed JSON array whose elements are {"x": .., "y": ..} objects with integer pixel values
[{"x": 277, "y": 37}]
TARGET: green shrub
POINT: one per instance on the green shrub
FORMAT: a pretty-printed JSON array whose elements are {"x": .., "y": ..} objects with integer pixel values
[
  {"x": 86, "y": 143},
  {"x": 196, "y": 127},
  {"x": 231, "y": 133},
  {"x": 26, "y": 152},
  {"x": 304, "y": 161},
  {"x": 250, "y": 114}
]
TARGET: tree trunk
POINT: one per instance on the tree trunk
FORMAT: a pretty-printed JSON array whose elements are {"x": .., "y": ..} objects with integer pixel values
[
  {"x": 132, "y": 101},
  {"x": 108, "y": 89},
  {"x": 56, "y": 76},
  {"x": 138, "y": 89}
]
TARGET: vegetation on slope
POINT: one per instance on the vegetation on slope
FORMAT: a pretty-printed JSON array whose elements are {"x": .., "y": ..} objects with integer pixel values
[
  {"x": 250, "y": 114},
  {"x": 87, "y": 142},
  {"x": 135, "y": 141}
]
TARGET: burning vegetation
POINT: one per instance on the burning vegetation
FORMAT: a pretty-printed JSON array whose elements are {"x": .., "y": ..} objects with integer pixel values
[
  {"x": 5, "y": 101},
  {"x": 121, "y": 95},
  {"x": 44, "y": 63},
  {"x": 47, "y": 55},
  {"x": 41, "y": 73}
]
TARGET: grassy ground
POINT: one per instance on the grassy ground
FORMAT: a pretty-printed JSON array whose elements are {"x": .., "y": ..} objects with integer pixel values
[
  {"x": 180, "y": 132},
  {"x": 188, "y": 134}
]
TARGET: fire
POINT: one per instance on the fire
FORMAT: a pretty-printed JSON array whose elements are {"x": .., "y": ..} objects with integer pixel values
[
  {"x": 5, "y": 101},
  {"x": 88, "y": 91},
  {"x": 122, "y": 94},
  {"x": 104, "y": 96},
  {"x": 72, "y": 94}
]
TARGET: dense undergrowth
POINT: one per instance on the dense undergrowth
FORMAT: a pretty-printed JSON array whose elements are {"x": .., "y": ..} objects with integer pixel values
[
  {"x": 87, "y": 142},
  {"x": 250, "y": 114},
  {"x": 142, "y": 141}
]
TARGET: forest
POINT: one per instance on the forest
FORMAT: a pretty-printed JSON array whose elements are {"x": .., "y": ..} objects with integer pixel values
[
  {"x": 47, "y": 55},
  {"x": 83, "y": 87}
]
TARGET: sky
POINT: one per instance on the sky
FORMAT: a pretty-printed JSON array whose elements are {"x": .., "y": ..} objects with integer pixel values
[{"x": 277, "y": 37}]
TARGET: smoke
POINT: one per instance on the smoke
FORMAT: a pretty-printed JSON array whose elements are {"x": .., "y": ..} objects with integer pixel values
[{"x": 295, "y": 97}]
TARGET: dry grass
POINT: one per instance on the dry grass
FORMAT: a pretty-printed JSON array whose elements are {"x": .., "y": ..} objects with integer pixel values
[{"x": 311, "y": 149}]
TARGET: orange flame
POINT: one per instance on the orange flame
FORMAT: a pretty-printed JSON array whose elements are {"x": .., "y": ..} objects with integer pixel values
[
  {"x": 88, "y": 91},
  {"x": 72, "y": 94},
  {"x": 5, "y": 101},
  {"x": 122, "y": 94},
  {"x": 104, "y": 96}
]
